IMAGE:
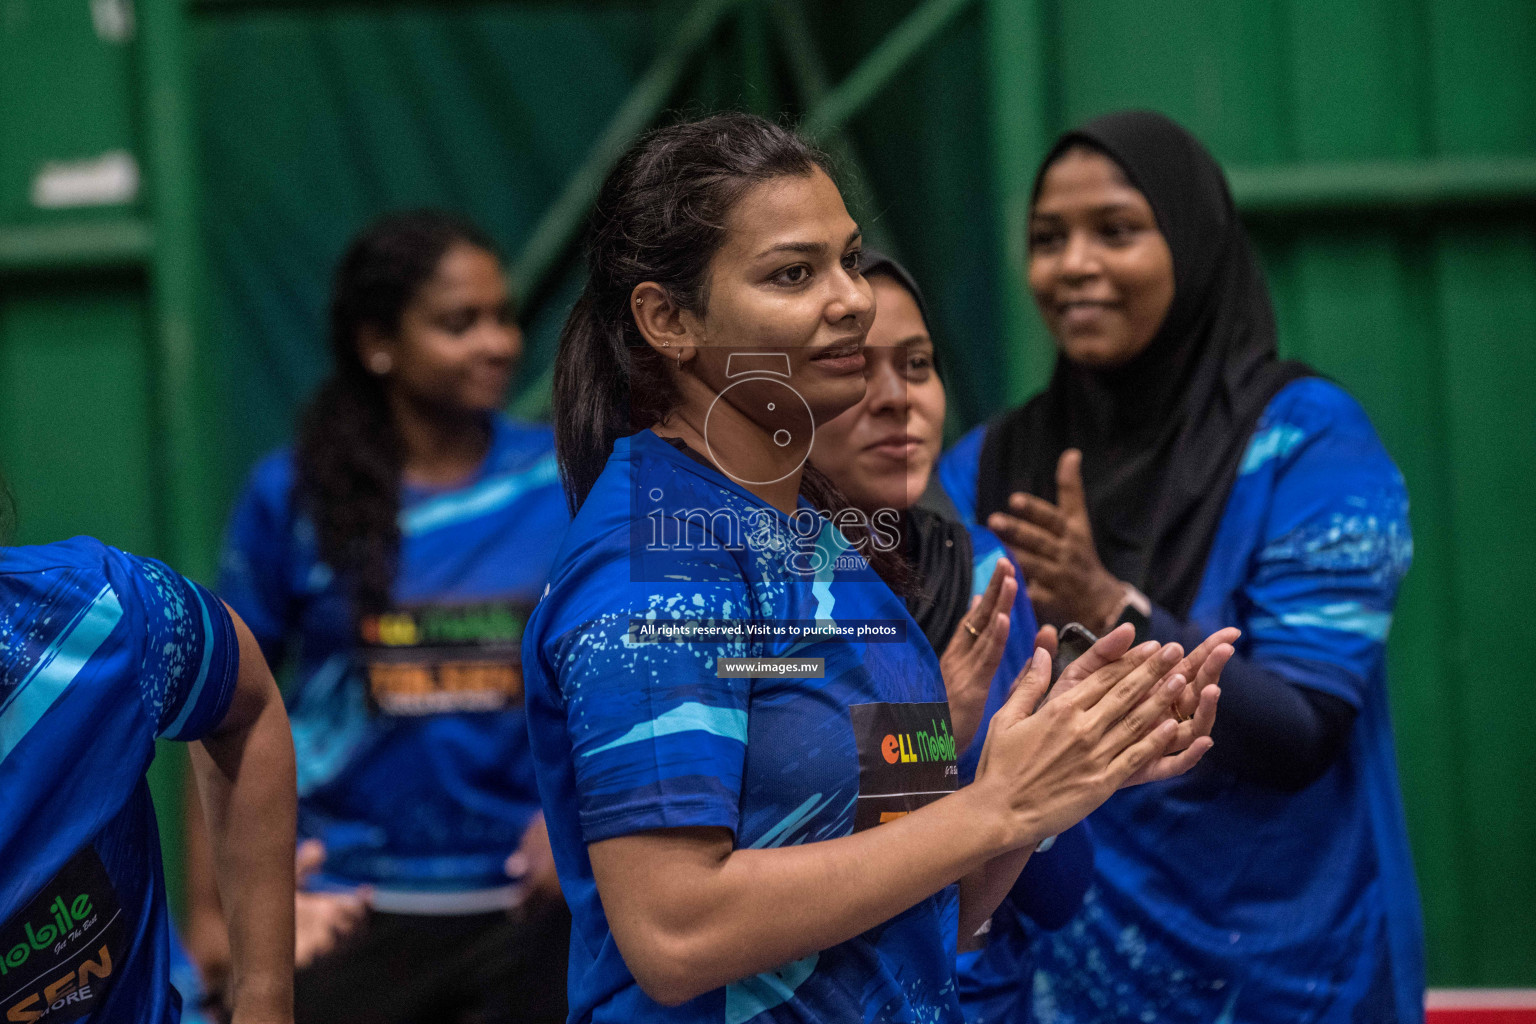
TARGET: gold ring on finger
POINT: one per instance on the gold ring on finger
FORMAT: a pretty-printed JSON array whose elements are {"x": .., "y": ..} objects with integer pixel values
[{"x": 969, "y": 628}]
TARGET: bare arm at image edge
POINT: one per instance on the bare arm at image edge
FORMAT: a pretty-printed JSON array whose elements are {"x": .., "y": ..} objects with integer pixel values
[{"x": 245, "y": 774}]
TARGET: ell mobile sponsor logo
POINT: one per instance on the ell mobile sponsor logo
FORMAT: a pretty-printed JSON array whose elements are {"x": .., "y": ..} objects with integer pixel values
[
  {"x": 65, "y": 917},
  {"x": 925, "y": 745}
]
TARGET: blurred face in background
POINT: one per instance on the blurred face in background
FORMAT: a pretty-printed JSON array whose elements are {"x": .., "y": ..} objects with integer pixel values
[
  {"x": 457, "y": 344},
  {"x": 1099, "y": 267},
  {"x": 881, "y": 451}
]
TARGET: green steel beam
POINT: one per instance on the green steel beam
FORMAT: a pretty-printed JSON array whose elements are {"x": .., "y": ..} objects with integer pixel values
[
  {"x": 122, "y": 243},
  {"x": 562, "y": 222},
  {"x": 810, "y": 80},
  {"x": 805, "y": 64},
  {"x": 1385, "y": 185},
  {"x": 756, "y": 75},
  {"x": 1018, "y": 66},
  {"x": 865, "y": 81},
  {"x": 558, "y": 228},
  {"x": 183, "y": 408}
]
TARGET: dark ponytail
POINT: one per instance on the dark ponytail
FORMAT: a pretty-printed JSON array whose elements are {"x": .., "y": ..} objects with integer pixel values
[
  {"x": 349, "y": 455},
  {"x": 660, "y": 216}
]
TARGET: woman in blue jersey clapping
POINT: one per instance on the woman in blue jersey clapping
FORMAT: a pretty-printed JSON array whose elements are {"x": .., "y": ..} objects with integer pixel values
[
  {"x": 392, "y": 557},
  {"x": 881, "y": 454},
  {"x": 742, "y": 738},
  {"x": 1176, "y": 474}
]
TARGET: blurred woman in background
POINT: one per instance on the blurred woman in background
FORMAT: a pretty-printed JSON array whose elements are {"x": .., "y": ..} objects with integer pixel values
[
  {"x": 393, "y": 556},
  {"x": 1174, "y": 475}
]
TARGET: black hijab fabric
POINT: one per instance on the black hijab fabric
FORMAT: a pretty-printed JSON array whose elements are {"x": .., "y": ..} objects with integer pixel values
[
  {"x": 1162, "y": 436},
  {"x": 939, "y": 550}
]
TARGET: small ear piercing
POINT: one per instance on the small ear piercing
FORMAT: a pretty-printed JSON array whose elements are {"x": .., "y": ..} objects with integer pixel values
[{"x": 380, "y": 363}]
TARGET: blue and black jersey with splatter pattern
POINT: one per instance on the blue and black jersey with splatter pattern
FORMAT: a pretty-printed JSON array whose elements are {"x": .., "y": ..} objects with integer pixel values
[
  {"x": 101, "y": 653},
  {"x": 634, "y": 736},
  {"x": 1217, "y": 899}
]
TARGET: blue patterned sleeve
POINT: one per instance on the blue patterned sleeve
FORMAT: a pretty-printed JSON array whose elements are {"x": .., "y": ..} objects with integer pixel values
[
  {"x": 658, "y": 740},
  {"x": 191, "y": 657},
  {"x": 1333, "y": 542}
]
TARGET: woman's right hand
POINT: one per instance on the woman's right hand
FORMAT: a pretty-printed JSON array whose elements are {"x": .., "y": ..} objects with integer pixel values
[{"x": 1046, "y": 771}]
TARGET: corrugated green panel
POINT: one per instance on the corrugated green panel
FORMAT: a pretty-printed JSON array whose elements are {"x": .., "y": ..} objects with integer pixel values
[
  {"x": 64, "y": 92},
  {"x": 1488, "y": 296},
  {"x": 75, "y": 416},
  {"x": 1216, "y": 66},
  {"x": 1483, "y": 60},
  {"x": 1356, "y": 79}
]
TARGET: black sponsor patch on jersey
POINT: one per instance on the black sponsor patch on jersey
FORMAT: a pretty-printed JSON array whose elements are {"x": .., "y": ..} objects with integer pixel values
[
  {"x": 60, "y": 954},
  {"x": 440, "y": 658},
  {"x": 907, "y": 758}
]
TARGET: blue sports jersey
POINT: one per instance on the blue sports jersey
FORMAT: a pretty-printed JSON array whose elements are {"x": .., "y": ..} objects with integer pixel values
[
  {"x": 413, "y": 761},
  {"x": 101, "y": 653},
  {"x": 632, "y": 734},
  {"x": 1218, "y": 899}
]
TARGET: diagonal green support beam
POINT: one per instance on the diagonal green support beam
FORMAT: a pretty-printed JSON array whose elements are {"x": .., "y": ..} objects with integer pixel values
[
  {"x": 562, "y": 222},
  {"x": 810, "y": 77},
  {"x": 865, "y": 81}
]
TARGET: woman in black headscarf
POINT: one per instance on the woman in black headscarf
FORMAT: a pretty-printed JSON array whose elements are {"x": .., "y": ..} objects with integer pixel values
[{"x": 1177, "y": 475}]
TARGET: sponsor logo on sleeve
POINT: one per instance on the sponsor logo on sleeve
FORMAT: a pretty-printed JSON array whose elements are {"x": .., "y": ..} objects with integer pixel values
[
  {"x": 907, "y": 759},
  {"x": 60, "y": 953}
]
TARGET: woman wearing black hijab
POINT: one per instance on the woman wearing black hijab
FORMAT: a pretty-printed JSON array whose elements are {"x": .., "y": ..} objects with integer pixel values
[{"x": 1175, "y": 474}]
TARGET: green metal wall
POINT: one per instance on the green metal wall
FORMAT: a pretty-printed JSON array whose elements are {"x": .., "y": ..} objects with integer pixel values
[{"x": 1384, "y": 152}]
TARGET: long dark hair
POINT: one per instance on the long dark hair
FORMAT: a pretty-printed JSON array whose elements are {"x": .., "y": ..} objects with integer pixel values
[
  {"x": 349, "y": 454},
  {"x": 660, "y": 216}
]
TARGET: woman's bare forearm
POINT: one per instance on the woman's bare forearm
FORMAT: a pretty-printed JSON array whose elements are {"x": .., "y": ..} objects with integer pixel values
[
  {"x": 719, "y": 914},
  {"x": 245, "y": 772},
  {"x": 247, "y": 782}
]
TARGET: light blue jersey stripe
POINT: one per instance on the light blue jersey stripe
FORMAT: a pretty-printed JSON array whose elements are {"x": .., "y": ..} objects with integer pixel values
[
  {"x": 982, "y": 568},
  {"x": 486, "y": 496},
  {"x": 57, "y": 668},
  {"x": 1344, "y": 617},
  {"x": 190, "y": 704},
  {"x": 1274, "y": 443},
  {"x": 690, "y": 717},
  {"x": 749, "y": 997},
  {"x": 775, "y": 836}
]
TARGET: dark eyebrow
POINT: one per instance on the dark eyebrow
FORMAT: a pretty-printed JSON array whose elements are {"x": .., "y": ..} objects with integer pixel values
[
  {"x": 1121, "y": 207},
  {"x": 807, "y": 248}
]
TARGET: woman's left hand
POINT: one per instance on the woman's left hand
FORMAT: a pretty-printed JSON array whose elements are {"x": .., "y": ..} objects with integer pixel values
[
  {"x": 971, "y": 658},
  {"x": 1053, "y": 544}
]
